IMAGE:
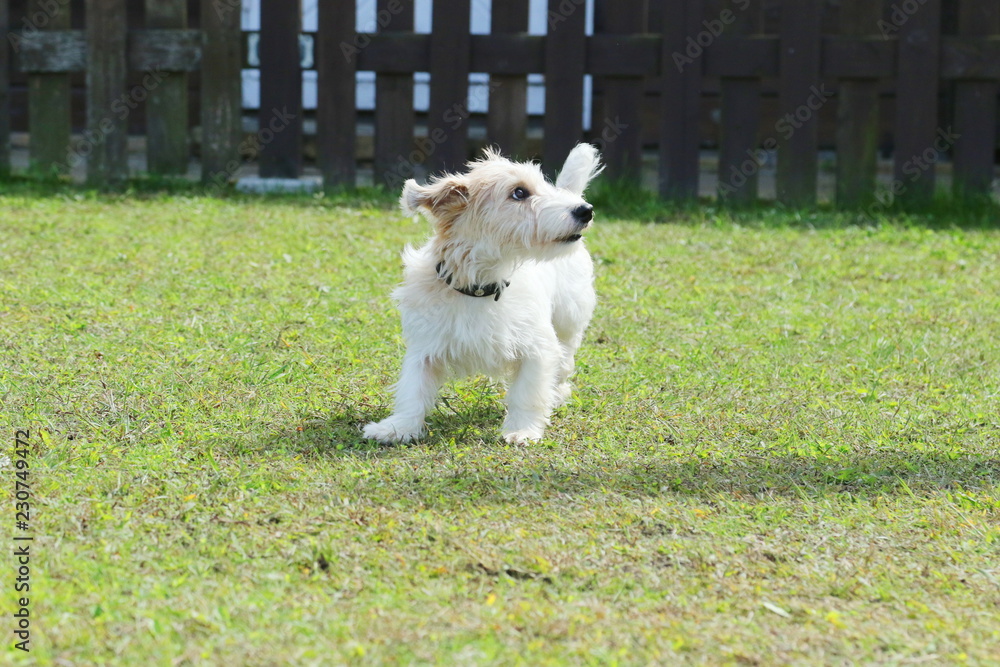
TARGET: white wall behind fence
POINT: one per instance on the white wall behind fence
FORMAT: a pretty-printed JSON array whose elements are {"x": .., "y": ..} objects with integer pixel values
[{"x": 480, "y": 24}]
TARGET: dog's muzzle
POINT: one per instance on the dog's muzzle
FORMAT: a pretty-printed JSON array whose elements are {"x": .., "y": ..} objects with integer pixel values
[{"x": 582, "y": 214}]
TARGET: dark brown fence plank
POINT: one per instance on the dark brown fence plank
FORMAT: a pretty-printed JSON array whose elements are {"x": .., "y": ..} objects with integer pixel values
[
  {"x": 167, "y": 111},
  {"x": 172, "y": 50},
  {"x": 738, "y": 159},
  {"x": 508, "y": 53},
  {"x": 970, "y": 57},
  {"x": 280, "y": 117},
  {"x": 507, "y": 121},
  {"x": 66, "y": 51},
  {"x": 447, "y": 114},
  {"x": 857, "y": 117},
  {"x": 736, "y": 57},
  {"x": 621, "y": 118},
  {"x": 335, "y": 114},
  {"x": 4, "y": 92},
  {"x": 915, "y": 125},
  {"x": 394, "y": 116},
  {"x": 49, "y": 100},
  {"x": 221, "y": 96},
  {"x": 852, "y": 57},
  {"x": 800, "y": 99},
  {"x": 623, "y": 54},
  {"x": 107, "y": 131},
  {"x": 565, "y": 48},
  {"x": 396, "y": 53},
  {"x": 680, "y": 100},
  {"x": 976, "y": 107},
  {"x": 52, "y": 51}
]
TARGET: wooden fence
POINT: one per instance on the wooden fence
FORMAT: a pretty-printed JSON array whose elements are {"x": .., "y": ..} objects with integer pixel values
[
  {"x": 905, "y": 53},
  {"x": 124, "y": 68}
]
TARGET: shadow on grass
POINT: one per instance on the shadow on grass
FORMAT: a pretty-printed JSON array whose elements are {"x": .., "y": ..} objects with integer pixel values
[
  {"x": 895, "y": 474},
  {"x": 340, "y": 433},
  {"x": 491, "y": 471},
  {"x": 336, "y": 435}
]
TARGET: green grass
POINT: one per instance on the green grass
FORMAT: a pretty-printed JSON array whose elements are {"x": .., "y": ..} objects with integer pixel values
[{"x": 782, "y": 448}]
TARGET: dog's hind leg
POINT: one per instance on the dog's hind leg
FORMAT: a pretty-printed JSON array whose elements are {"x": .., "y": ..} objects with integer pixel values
[
  {"x": 416, "y": 392},
  {"x": 567, "y": 364},
  {"x": 530, "y": 399}
]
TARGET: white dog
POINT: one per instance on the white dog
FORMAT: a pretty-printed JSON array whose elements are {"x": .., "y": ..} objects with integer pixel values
[{"x": 504, "y": 288}]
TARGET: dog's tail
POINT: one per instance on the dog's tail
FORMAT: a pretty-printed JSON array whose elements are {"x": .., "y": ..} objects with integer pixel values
[{"x": 582, "y": 165}]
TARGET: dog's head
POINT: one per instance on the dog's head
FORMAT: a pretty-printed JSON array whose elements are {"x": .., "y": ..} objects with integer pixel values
[{"x": 509, "y": 208}]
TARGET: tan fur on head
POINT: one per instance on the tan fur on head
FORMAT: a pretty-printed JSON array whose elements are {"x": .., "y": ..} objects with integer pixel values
[{"x": 442, "y": 200}]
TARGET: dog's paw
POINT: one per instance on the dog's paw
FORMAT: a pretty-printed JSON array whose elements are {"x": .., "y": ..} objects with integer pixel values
[
  {"x": 392, "y": 430},
  {"x": 523, "y": 436}
]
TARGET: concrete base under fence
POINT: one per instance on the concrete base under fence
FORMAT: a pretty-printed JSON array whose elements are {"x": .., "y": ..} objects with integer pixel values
[{"x": 259, "y": 185}]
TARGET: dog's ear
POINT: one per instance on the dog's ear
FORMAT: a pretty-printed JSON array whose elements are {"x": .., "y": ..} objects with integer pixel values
[
  {"x": 409, "y": 201},
  {"x": 444, "y": 199},
  {"x": 582, "y": 165}
]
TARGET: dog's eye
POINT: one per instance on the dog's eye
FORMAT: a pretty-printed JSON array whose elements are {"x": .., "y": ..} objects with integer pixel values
[{"x": 520, "y": 194}]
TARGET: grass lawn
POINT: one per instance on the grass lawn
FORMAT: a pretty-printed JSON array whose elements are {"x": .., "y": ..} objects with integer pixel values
[{"x": 783, "y": 448}]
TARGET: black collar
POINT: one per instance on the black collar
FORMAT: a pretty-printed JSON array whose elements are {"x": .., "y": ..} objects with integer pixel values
[{"x": 492, "y": 289}]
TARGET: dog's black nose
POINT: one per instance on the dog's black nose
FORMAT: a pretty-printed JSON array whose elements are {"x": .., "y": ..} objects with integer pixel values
[{"x": 584, "y": 213}]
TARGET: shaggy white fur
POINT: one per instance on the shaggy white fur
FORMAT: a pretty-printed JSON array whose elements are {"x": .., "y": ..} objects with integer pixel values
[{"x": 504, "y": 230}]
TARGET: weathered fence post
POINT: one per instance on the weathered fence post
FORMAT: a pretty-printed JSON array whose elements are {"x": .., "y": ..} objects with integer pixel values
[
  {"x": 4, "y": 91},
  {"x": 105, "y": 141},
  {"x": 565, "y": 58},
  {"x": 507, "y": 122},
  {"x": 448, "y": 112},
  {"x": 680, "y": 101},
  {"x": 394, "y": 117},
  {"x": 918, "y": 63},
  {"x": 800, "y": 98},
  {"x": 221, "y": 96},
  {"x": 336, "y": 118},
  {"x": 739, "y": 162},
  {"x": 857, "y": 115},
  {"x": 621, "y": 120},
  {"x": 280, "y": 117},
  {"x": 49, "y": 99},
  {"x": 976, "y": 107},
  {"x": 167, "y": 109}
]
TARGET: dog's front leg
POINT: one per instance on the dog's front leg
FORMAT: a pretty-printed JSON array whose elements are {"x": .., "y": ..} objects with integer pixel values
[
  {"x": 529, "y": 400},
  {"x": 416, "y": 391}
]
